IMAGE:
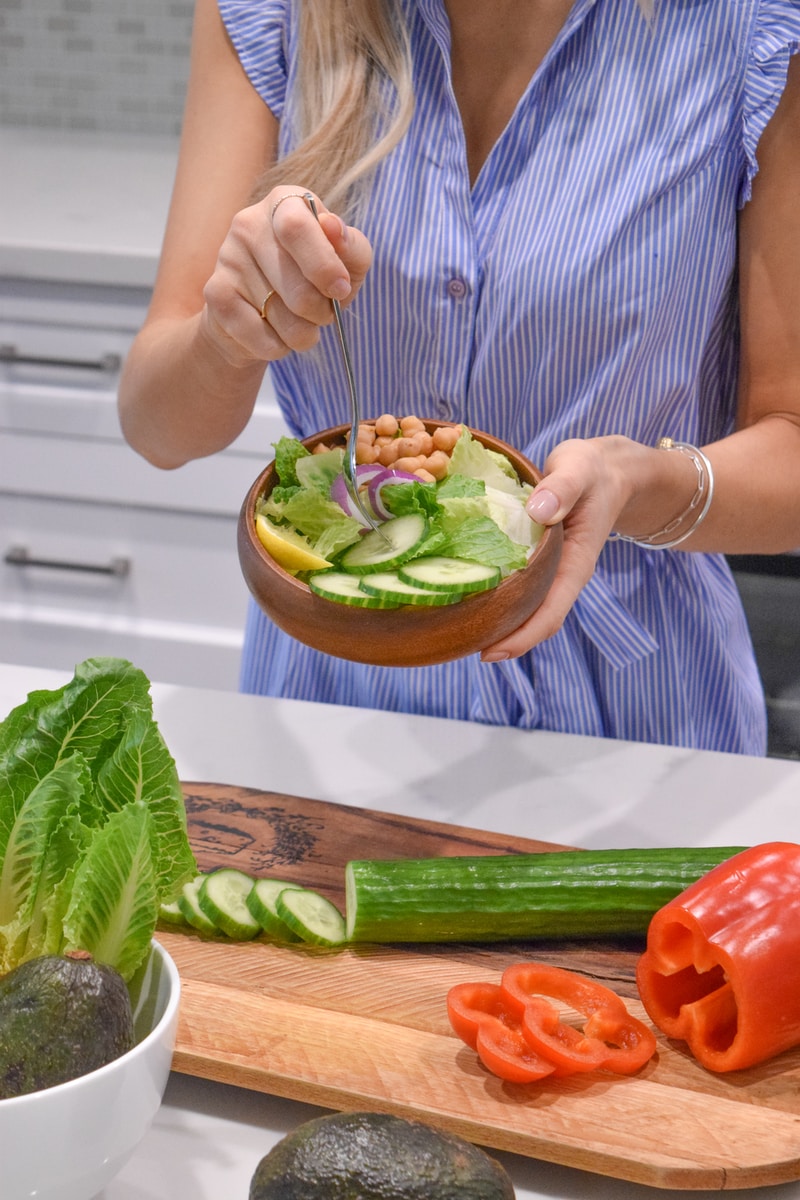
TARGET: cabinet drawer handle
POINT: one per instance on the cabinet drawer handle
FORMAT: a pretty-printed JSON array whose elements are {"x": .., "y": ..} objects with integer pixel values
[
  {"x": 20, "y": 556},
  {"x": 107, "y": 363}
]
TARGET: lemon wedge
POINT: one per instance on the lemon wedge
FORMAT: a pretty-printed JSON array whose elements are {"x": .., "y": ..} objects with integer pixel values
[{"x": 289, "y": 548}]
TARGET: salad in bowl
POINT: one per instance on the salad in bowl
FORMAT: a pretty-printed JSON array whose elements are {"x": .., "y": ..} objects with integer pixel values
[{"x": 455, "y": 564}]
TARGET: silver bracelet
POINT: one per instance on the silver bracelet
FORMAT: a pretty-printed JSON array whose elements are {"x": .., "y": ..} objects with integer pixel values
[{"x": 700, "y": 502}]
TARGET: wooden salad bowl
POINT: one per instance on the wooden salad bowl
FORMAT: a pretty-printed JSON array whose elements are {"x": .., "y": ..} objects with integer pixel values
[{"x": 409, "y": 636}]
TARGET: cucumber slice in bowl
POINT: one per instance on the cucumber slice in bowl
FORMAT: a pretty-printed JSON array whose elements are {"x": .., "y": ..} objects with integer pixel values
[
  {"x": 388, "y": 585},
  {"x": 223, "y": 899},
  {"x": 442, "y": 574},
  {"x": 382, "y": 549},
  {"x": 344, "y": 589}
]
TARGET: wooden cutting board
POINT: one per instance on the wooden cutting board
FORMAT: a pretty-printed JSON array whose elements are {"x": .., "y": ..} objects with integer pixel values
[{"x": 367, "y": 1028}]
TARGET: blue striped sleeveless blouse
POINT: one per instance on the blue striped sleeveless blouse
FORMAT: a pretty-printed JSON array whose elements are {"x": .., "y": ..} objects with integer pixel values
[{"x": 584, "y": 285}]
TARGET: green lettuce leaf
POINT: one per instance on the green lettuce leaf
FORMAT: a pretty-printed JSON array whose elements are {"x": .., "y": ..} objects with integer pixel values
[
  {"x": 459, "y": 485},
  {"x": 310, "y": 512},
  {"x": 479, "y": 539},
  {"x": 288, "y": 451},
  {"x": 58, "y": 793},
  {"x": 86, "y": 715},
  {"x": 113, "y": 908},
  {"x": 318, "y": 471},
  {"x": 142, "y": 768},
  {"x": 471, "y": 458},
  {"x": 45, "y": 930},
  {"x": 411, "y": 497}
]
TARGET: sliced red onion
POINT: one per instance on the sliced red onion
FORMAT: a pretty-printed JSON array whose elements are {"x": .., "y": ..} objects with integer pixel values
[
  {"x": 379, "y": 482},
  {"x": 365, "y": 474}
]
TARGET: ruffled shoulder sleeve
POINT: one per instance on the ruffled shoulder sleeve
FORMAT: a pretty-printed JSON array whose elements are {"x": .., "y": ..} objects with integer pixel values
[
  {"x": 775, "y": 38},
  {"x": 261, "y": 35}
]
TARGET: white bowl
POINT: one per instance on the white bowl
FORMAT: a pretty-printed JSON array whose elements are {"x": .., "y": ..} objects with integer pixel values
[{"x": 67, "y": 1142}]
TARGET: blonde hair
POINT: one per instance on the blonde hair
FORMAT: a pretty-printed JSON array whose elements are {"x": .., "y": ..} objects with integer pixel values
[{"x": 356, "y": 96}]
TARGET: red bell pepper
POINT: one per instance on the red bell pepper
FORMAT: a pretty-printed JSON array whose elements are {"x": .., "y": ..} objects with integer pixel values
[
  {"x": 721, "y": 970},
  {"x": 520, "y": 1036}
]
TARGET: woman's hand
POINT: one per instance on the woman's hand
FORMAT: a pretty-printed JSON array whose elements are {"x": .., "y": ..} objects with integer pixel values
[
  {"x": 595, "y": 486},
  {"x": 277, "y": 271}
]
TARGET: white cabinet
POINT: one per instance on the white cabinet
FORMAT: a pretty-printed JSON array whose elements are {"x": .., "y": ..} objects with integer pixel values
[{"x": 101, "y": 553}]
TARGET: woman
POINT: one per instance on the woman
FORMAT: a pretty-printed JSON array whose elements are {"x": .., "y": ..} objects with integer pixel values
[{"x": 571, "y": 223}]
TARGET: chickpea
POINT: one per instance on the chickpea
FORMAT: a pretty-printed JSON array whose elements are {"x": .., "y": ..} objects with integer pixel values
[
  {"x": 386, "y": 425},
  {"x": 437, "y": 464},
  {"x": 412, "y": 425},
  {"x": 424, "y": 475},
  {"x": 409, "y": 463},
  {"x": 320, "y": 448},
  {"x": 409, "y": 447},
  {"x": 445, "y": 437},
  {"x": 366, "y": 452},
  {"x": 388, "y": 453}
]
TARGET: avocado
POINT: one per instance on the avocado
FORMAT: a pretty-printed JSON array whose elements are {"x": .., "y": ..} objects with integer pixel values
[
  {"x": 374, "y": 1156},
  {"x": 61, "y": 1016}
]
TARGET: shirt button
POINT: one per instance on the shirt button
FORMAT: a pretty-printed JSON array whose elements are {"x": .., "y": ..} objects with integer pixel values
[
  {"x": 444, "y": 409},
  {"x": 457, "y": 289}
]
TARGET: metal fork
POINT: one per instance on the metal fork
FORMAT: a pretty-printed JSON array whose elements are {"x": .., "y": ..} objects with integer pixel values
[{"x": 349, "y": 464}]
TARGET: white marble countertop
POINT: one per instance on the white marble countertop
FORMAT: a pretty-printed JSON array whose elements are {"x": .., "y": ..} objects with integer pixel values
[
  {"x": 83, "y": 207},
  {"x": 207, "y": 1137}
]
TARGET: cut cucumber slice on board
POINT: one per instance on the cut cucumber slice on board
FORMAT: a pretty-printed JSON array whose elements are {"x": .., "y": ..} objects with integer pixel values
[
  {"x": 189, "y": 905},
  {"x": 223, "y": 899},
  {"x": 389, "y": 586},
  {"x": 381, "y": 549},
  {"x": 312, "y": 916},
  {"x": 171, "y": 913},
  {"x": 344, "y": 589},
  {"x": 442, "y": 574},
  {"x": 262, "y": 901}
]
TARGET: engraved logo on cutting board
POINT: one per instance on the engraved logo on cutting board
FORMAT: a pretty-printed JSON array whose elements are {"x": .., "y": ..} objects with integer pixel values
[{"x": 268, "y": 834}]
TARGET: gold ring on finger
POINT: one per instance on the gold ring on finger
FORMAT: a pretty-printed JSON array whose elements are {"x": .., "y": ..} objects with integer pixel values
[{"x": 265, "y": 302}]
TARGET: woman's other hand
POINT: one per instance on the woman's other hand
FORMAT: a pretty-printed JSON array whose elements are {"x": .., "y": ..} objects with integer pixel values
[{"x": 596, "y": 486}]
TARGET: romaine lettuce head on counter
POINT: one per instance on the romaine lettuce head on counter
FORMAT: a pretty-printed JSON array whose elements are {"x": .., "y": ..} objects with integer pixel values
[{"x": 92, "y": 821}]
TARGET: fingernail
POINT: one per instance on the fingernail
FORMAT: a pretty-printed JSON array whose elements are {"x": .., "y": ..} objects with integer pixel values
[
  {"x": 339, "y": 289},
  {"x": 542, "y": 506},
  {"x": 495, "y": 656}
]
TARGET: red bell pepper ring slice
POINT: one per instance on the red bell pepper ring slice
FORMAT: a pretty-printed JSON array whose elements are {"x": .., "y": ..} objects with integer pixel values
[
  {"x": 721, "y": 970},
  {"x": 611, "y": 1038},
  {"x": 481, "y": 1018}
]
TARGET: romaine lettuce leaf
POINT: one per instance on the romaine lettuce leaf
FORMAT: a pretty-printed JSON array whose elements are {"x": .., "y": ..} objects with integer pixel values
[
  {"x": 85, "y": 715},
  {"x": 59, "y": 793},
  {"x": 114, "y": 902},
  {"x": 411, "y": 497},
  {"x": 479, "y": 539},
  {"x": 470, "y": 457},
  {"x": 311, "y": 512},
  {"x": 319, "y": 470},
  {"x": 288, "y": 451},
  {"x": 141, "y": 768},
  {"x": 459, "y": 485}
]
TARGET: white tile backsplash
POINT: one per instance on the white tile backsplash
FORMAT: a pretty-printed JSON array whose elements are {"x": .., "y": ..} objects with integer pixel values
[{"x": 116, "y": 66}]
